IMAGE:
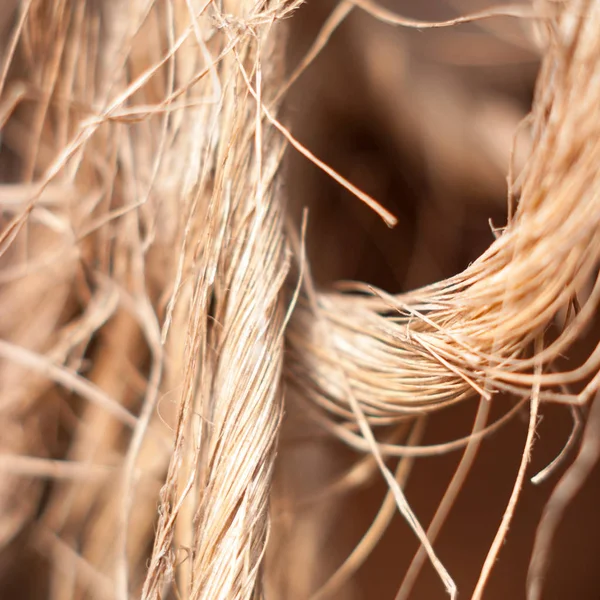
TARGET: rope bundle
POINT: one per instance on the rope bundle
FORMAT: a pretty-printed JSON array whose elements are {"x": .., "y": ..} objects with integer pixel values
[{"x": 147, "y": 324}]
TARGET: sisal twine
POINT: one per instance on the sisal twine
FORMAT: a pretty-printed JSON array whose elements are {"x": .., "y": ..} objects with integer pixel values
[
  {"x": 148, "y": 293},
  {"x": 406, "y": 355},
  {"x": 146, "y": 197}
]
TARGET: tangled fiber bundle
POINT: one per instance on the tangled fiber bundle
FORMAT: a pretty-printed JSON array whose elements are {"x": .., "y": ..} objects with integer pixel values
[
  {"x": 157, "y": 303},
  {"x": 145, "y": 216}
]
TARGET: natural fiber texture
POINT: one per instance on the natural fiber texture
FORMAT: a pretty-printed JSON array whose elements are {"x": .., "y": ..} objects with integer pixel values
[
  {"x": 155, "y": 300},
  {"x": 151, "y": 206},
  {"x": 432, "y": 347},
  {"x": 383, "y": 358}
]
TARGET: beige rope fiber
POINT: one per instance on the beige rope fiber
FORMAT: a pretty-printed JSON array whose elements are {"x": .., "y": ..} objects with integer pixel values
[
  {"x": 145, "y": 107},
  {"x": 151, "y": 315},
  {"x": 419, "y": 352},
  {"x": 430, "y": 348}
]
